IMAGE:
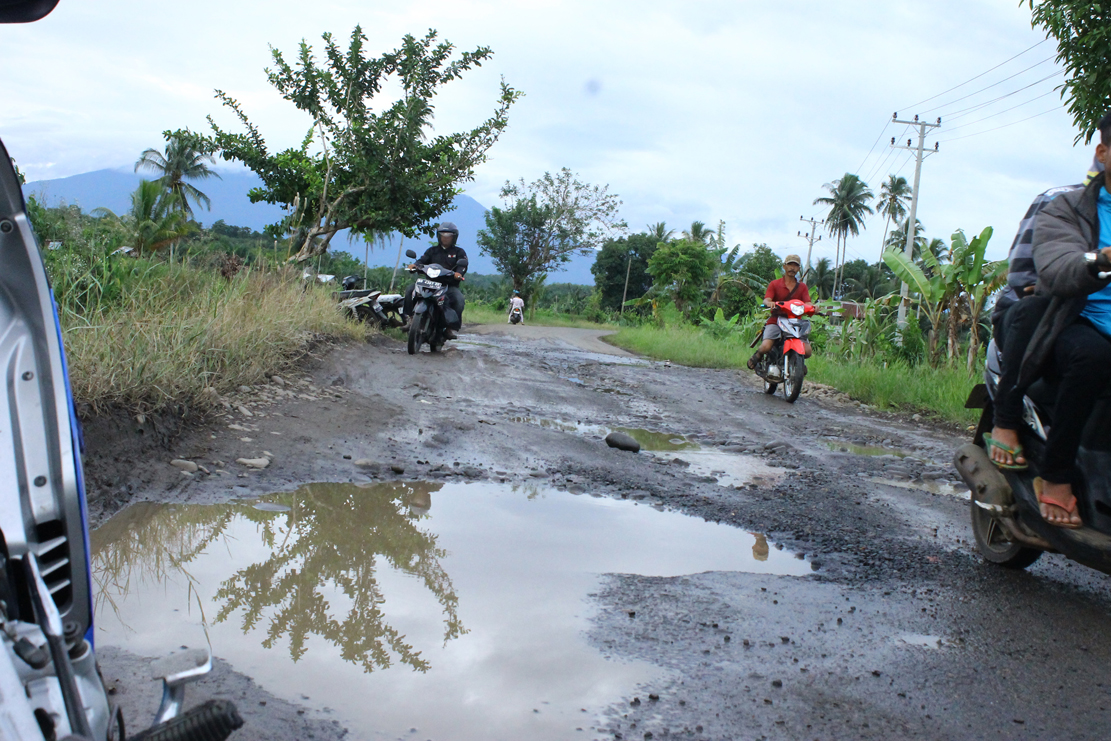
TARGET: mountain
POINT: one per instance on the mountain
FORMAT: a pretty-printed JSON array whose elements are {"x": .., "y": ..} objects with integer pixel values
[{"x": 112, "y": 189}]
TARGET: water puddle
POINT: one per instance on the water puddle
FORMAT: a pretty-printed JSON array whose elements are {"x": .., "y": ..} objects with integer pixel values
[
  {"x": 872, "y": 450},
  {"x": 922, "y": 641},
  {"x": 933, "y": 487},
  {"x": 458, "y": 610}
]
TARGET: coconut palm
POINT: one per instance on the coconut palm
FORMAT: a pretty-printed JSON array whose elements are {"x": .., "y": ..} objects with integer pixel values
[
  {"x": 154, "y": 221},
  {"x": 660, "y": 231},
  {"x": 820, "y": 279},
  {"x": 848, "y": 204},
  {"x": 180, "y": 163},
  {"x": 699, "y": 233},
  {"x": 892, "y": 203}
]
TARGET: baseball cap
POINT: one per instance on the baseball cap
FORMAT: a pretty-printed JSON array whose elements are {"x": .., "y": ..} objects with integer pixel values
[{"x": 793, "y": 258}]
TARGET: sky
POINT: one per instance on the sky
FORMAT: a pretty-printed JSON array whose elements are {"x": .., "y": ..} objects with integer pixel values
[{"x": 734, "y": 111}]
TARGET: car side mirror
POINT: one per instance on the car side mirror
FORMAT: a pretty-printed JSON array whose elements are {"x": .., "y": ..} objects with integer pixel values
[
  {"x": 25, "y": 11},
  {"x": 410, "y": 254}
]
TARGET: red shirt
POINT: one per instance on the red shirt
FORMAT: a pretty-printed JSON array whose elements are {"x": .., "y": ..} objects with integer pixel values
[{"x": 778, "y": 291}]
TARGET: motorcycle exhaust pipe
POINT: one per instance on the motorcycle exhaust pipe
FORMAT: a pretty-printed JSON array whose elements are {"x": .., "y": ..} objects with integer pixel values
[{"x": 991, "y": 492}]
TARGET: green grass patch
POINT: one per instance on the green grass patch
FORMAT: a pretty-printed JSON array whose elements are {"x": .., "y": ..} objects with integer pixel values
[
  {"x": 938, "y": 392},
  {"x": 479, "y": 313}
]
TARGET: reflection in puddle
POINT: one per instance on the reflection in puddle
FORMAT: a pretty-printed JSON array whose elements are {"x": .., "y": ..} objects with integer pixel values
[
  {"x": 358, "y": 595},
  {"x": 873, "y": 450},
  {"x": 932, "y": 487},
  {"x": 923, "y": 641},
  {"x": 657, "y": 441}
]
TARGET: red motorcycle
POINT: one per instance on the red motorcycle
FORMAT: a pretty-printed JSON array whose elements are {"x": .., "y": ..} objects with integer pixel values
[{"x": 785, "y": 363}]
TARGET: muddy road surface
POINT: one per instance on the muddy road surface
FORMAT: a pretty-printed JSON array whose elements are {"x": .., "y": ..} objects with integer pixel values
[{"x": 443, "y": 547}]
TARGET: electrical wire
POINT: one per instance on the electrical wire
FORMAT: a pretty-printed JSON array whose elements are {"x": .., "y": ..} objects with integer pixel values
[
  {"x": 1004, "y": 126},
  {"x": 891, "y": 154},
  {"x": 989, "y": 87},
  {"x": 877, "y": 141},
  {"x": 1000, "y": 113},
  {"x": 973, "y": 79},
  {"x": 978, "y": 106}
]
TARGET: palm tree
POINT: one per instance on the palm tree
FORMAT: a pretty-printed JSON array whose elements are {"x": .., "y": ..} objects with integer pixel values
[
  {"x": 181, "y": 162},
  {"x": 154, "y": 220},
  {"x": 848, "y": 204},
  {"x": 892, "y": 203},
  {"x": 820, "y": 278},
  {"x": 660, "y": 231},
  {"x": 699, "y": 233}
]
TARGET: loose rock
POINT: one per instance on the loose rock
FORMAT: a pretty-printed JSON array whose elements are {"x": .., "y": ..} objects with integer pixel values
[
  {"x": 621, "y": 441},
  {"x": 184, "y": 465},
  {"x": 253, "y": 462}
]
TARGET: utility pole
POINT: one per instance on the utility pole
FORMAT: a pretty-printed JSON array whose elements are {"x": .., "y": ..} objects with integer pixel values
[
  {"x": 625, "y": 293},
  {"x": 811, "y": 239},
  {"x": 912, "y": 220}
]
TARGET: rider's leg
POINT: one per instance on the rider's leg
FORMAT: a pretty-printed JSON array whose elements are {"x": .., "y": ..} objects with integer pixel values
[
  {"x": 407, "y": 308},
  {"x": 809, "y": 350},
  {"x": 1017, "y": 327},
  {"x": 1082, "y": 356},
  {"x": 455, "y": 304},
  {"x": 772, "y": 333}
]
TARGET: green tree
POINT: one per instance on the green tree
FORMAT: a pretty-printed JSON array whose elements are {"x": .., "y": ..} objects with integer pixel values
[
  {"x": 682, "y": 269},
  {"x": 761, "y": 262},
  {"x": 848, "y": 204},
  {"x": 366, "y": 164},
  {"x": 545, "y": 223},
  {"x": 699, "y": 233},
  {"x": 1083, "y": 48},
  {"x": 154, "y": 221},
  {"x": 616, "y": 258},
  {"x": 182, "y": 161},
  {"x": 660, "y": 232},
  {"x": 820, "y": 279},
  {"x": 892, "y": 204}
]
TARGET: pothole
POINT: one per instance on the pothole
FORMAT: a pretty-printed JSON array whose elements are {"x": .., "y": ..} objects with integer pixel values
[
  {"x": 933, "y": 487},
  {"x": 456, "y": 609},
  {"x": 870, "y": 450},
  {"x": 922, "y": 641}
]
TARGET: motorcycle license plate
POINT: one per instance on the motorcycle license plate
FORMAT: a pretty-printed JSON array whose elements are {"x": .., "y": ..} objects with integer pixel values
[{"x": 425, "y": 283}]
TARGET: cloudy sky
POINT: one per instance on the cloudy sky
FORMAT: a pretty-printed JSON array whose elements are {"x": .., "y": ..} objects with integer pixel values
[{"x": 736, "y": 110}]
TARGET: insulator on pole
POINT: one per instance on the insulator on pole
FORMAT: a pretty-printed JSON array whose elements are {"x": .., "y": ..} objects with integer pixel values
[
  {"x": 935, "y": 146},
  {"x": 916, "y": 118},
  {"x": 892, "y": 141},
  {"x": 939, "y": 120},
  {"x": 908, "y": 142}
]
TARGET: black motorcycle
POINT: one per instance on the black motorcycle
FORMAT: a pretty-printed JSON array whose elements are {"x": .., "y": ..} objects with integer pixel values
[
  {"x": 375, "y": 307},
  {"x": 428, "y": 323},
  {"x": 1006, "y": 522}
]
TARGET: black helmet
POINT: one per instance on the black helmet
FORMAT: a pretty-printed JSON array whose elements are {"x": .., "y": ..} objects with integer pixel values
[{"x": 449, "y": 228}]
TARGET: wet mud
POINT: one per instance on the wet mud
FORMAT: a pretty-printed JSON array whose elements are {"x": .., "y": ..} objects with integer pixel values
[{"x": 889, "y": 626}]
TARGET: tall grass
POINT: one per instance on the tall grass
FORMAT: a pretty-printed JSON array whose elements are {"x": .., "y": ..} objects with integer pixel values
[
  {"x": 937, "y": 392},
  {"x": 168, "y": 333}
]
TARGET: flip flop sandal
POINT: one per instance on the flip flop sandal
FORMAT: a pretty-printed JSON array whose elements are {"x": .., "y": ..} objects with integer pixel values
[
  {"x": 753, "y": 361},
  {"x": 1015, "y": 452},
  {"x": 1070, "y": 508}
]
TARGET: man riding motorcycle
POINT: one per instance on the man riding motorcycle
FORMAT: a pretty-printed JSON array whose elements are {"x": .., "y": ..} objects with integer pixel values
[
  {"x": 446, "y": 254},
  {"x": 516, "y": 303},
  {"x": 781, "y": 289}
]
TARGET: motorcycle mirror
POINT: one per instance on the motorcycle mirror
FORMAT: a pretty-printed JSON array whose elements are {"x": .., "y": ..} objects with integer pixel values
[
  {"x": 462, "y": 264},
  {"x": 411, "y": 254},
  {"x": 25, "y": 11}
]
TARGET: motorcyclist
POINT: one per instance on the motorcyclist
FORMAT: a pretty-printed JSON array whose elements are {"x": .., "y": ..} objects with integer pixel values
[
  {"x": 516, "y": 303},
  {"x": 781, "y": 289},
  {"x": 446, "y": 254}
]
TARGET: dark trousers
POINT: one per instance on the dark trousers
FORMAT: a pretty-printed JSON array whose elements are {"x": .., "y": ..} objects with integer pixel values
[
  {"x": 1013, "y": 334},
  {"x": 1081, "y": 360},
  {"x": 453, "y": 306}
]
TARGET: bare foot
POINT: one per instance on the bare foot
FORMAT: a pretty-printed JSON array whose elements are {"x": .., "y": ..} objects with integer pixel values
[
  {"x": 1055, "y": 514},
  {"x": 1010, "y": 439}
]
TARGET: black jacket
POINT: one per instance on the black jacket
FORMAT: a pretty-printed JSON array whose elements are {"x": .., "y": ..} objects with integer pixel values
[
  {"x": 445, "y": 257},
  {"x": 1066, "y": 229}
]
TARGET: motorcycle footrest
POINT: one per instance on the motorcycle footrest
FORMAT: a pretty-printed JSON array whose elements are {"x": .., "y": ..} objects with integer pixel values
[{"x": 214, "y": 720}]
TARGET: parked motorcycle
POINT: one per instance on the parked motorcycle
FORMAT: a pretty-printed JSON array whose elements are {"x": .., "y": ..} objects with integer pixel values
[
  {"x": 429, "y": 293},
  {"x": 516, "y": 316},
  {"x": 383, "y": 310},
  {"x": 1006, "y": 522},
  {"x": 785, "y": 363},
  {"x": 50, "y": 685}
]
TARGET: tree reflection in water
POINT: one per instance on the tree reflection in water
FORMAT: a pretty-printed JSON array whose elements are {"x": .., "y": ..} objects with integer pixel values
[{"x": 333, "y": 534}]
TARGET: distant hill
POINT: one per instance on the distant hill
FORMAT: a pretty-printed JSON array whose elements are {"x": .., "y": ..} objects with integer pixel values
[{"x": 112, "y": 189}]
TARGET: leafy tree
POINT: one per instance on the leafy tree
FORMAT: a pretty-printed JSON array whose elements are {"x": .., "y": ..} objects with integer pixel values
[
  {"x": 761, "y": 262},
  {"x": 1083, "y": 47},
  {"x": 544, "y": 223},
  {"x": 660, "y": 232},
  {"x": 682, "y": 269},
  {"x": 820, "y": 279},
  {"x": 616, "y": 258},
  {"x": 892, "y": 204},
  {"x": 699, "y": 233},
  {"x": 154, "y": 221},
  {"x": 182, "y": 161},
  {"x": 365, "y": 164},
  {"x": 848, "y": 204},
  {"x": 743, "y": 279}
]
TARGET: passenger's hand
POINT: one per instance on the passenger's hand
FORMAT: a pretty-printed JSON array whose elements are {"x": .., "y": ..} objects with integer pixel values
[{"x": 1103, "y": 260}]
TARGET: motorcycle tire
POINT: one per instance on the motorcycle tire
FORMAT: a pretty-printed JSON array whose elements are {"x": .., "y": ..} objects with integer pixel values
[
  {"x": 796, "y": 369},
  {"x": 995, "y": 546},
  {"x": 769, "y": 387},
  {"x": 416, "y": 332}
]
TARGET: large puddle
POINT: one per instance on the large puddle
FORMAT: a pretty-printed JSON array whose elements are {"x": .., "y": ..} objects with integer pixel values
[{"x": 456, "y": 610}]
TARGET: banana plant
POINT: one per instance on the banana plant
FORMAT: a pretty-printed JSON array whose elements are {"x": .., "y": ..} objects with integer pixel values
[
  {"x": 933, "y": 290},
  {"x": 977, "y": 280}
]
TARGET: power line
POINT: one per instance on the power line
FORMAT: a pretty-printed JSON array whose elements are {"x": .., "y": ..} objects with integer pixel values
[
  {"x": 891, "y": 155},
  {"x": 1000, "y": 113},
  {"x": 877, "y": 141},
  {"x": 997, "y": 128},
  {"x": 989, "y": 87},
  {"x": 977, "y": 77},
  {"x": 970, "y": 109}
]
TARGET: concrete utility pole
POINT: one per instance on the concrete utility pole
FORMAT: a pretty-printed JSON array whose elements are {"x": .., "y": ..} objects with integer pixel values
[
  {"x": 625, "y": 293},
  {"x": 811, "y": 239},
  {"x": 912, "y": 219}
]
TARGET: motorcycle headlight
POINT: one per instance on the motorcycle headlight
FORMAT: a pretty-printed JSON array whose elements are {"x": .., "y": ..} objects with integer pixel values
[
  {"x": 797, "y": 309},
  {"x": 433, "y": 273}
]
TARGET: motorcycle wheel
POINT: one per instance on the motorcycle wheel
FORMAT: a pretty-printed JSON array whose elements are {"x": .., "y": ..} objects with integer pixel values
[
  {"x": 796, "y": 369},
  {"x": 995, "y": 546},
  {"x": 769, "y": 387},
  {"x": 416, "y": 332}
]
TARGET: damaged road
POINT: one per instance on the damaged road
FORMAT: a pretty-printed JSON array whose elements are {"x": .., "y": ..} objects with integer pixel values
[{"x": 887, "y": 625}]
